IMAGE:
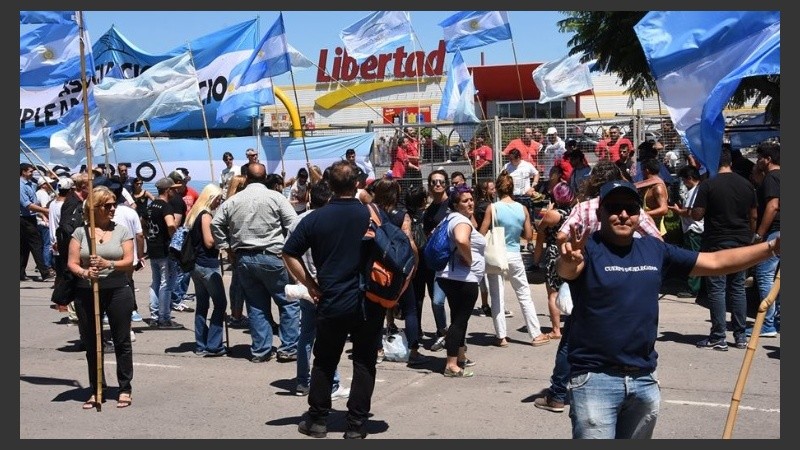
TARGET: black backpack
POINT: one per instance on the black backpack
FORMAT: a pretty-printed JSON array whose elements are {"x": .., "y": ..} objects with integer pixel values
[
  {"x": 418, "y": 233},
  {"x": 181, "y": 249},
  {"x": 390, "y": 261},
  {"x": 70, "y": 220}
]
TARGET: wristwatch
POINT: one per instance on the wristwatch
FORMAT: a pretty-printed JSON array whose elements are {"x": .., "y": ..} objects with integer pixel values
[
  {"x": 112, "y": 266},
  {"x": 757, "y": 237}
]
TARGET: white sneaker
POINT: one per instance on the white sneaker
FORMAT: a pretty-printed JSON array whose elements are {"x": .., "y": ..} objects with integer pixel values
[
  {"x": 133, "y": 336},
  {"x": 438, "y": 345},
  {"x": 340, "y": 392}
]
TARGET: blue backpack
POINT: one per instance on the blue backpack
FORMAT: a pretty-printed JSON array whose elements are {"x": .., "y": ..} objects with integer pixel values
[
  {"x": 438, "y": 249},
  {"x": 390, "y": 261}
]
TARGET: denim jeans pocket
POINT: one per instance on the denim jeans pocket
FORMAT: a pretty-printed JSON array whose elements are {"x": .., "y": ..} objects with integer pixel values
[{"x": 578, "y": 380}]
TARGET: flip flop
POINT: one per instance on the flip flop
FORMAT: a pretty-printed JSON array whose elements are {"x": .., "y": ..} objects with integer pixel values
[
  {"x": 458, "y": 374},
  {"x": 539, "y": 341},
  {"x": 89, "y": 404},
  {"x": 124, "y": 400}
]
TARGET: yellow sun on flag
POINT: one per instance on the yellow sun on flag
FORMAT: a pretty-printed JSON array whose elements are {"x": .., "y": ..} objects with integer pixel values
[
  {"x": 474, "y": 24},
  {"x": 48, "y": 54}
]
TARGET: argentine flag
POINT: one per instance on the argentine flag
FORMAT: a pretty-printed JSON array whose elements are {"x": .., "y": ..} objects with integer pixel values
[
  {"x": 459, "y": 85},
  {"x": 49, "y": 55},
  {"x": 251, "y": 85},
  {"x": 470, "y": 29},
  {"x": 698, "y": 59}
]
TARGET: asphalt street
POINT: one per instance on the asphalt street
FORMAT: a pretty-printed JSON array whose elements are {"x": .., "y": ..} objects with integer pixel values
[{"x": 178, "y": 395}]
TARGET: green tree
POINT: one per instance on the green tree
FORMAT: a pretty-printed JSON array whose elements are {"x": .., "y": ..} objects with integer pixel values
[{"x": 608, "y": 36}]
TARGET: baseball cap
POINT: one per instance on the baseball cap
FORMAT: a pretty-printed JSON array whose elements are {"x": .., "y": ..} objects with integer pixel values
[
  {"x": 65, "y": 184},
  {"x": 177, "y": 176},
  {"x": 552, "y": 130},
  {"x": 42, "y": 181},
  {"x": 621, "y": 186},
  {"x": 164, "y": 183}
]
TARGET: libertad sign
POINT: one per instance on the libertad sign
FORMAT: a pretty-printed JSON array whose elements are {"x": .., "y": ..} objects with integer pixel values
[{"x": 405, "y": 65}]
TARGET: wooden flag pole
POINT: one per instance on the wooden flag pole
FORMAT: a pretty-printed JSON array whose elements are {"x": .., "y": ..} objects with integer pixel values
[
  {"x": 748, "y": 355},
  {"x": 519, "y": 77},
  {"x": 44, "y": 164},
  {"x": 92, "y": 244},
  {"x": 205, "y": 123},
  {"x": 280, "y": 145},
  {"x": 153, "y": 144}
]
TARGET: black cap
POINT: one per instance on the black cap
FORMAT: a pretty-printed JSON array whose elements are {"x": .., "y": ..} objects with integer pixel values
[{"x": 620, "y": 185}]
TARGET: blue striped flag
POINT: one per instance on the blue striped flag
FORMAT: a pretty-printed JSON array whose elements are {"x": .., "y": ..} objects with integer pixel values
[
  {"x": 698, "y": 59},
  {"x": 470, "y": 29},
  {"x": 251, "y": 85},
  {"x": 454, "y": 106},
  {"x": 49, "y": 55},
  {"x": 36, "y": 17}
]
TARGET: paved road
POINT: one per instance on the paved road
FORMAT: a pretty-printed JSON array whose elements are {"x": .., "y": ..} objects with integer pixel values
[{"x": 179, "y": 395}]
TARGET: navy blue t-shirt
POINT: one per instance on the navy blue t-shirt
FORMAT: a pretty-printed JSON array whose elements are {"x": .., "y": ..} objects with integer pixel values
[
  {"x": 615, "y": 302},
  {"x": 334, "y": 234}
]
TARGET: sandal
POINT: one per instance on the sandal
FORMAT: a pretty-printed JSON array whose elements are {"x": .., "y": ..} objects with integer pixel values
[
  {"x": 540, "y": 340},
  {"x": 501, "y": 343},
  {"x": 458, "y": 374},
  {"x": 124, "y": 400},
  {"x": 554, "y": 336},
  {"x": 90, "y": 404}
]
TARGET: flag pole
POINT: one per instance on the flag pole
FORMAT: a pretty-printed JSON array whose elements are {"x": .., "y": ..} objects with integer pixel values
[
  {"x": 92, "y": 244},
  {"x": 30, "y": 150},
  {"x": 296, "y": 101},
  {"x": 153, "y": 144},
  {"x": 597, "y": 107},
  {"x": 427, "y": 63},
  {"x": 31, "y": 162},
  {"x": 343, "y": 86},
  {"x": 280, "y": 145},
  {"x": 519, "y": 77},
  {"x": 205, "y": 123}
]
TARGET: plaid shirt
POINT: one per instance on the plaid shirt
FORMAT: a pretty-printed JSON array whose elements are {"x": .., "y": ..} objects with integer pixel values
[{"x": 584, "y": 213}]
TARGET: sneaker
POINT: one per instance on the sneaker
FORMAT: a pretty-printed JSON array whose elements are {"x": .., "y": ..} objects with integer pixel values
[
  {"x": 509, "y": 313},
  {"x": 548, "y": 404},
  {"x": 764, "y": 332},
  {"x": 169, "y": 325},
  {"x": 381, "y": 356},
  {"x": 240, "y": 323},
  {"x": 136, "y": 317},
  {"x": 221, "y": 352},
  {"x": 415, "y": 358},
  {"x": 105, "y": 319},
  {"x": 438, "y": 345},
  {"x": 108, "y": 347},
  {"x": 466, "y": 363},
  {"x": 302, "y": 390},
  {"x": 313, "y": 429},
  {"x": 741, "y": 342},
  {"x": 685, "y": 294},
  {"x": 133, "y": 336},
  {"x": 359, "y": 432},
  {"x": 485, "y": 311},
  {"x": 340, "y": 392},
  {"x": 262, "y": 358},
  {"x": 182, "y": 307},
  {"x": 718, "y": 344},
  {"x": 287, "y": 357}
]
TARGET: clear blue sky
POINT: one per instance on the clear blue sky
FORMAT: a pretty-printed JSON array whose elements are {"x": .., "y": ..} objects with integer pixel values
[{"x": 535, "y": 34}]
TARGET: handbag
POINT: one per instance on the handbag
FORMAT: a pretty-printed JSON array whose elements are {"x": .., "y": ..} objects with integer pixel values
[
  {"x": 495, "y": 252},
  {"x": 64, "y": 288},
  {"x": 395, "y": 347}
]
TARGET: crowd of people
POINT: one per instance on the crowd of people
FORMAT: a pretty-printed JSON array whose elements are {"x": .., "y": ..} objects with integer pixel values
[{"x": 600, "y": 234}]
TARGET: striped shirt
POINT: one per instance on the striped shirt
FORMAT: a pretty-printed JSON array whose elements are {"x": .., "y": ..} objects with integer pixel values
[{"x": 584, "y": 213}]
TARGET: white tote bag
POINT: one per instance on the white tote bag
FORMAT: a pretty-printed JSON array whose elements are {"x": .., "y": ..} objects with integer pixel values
[
  {"x": 564, "y": 299},
  {"x": 495, "y": 253}
]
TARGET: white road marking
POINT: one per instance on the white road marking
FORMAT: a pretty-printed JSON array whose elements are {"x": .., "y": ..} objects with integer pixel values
[{"x": 721, "y": 405}]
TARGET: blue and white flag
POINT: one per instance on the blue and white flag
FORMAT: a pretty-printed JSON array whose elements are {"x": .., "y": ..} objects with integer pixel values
[
  {"x": 698, "y": 59},
  {"x": 375, "y": 32},
  {"x": 68, "y": 146},
  {"x": 251, "y": 86},
  {"x": 35, "y": 17},
  {"x": 165, "y": 88},
  {"x": 457, "y": 80},
  {"x": 562, "y": 78},
  {"x": 49, "y": 55},
  {"x": 470, "y": 29},
  {"x": 298, "y": 60},
  {"x": 216, "y": 57}
]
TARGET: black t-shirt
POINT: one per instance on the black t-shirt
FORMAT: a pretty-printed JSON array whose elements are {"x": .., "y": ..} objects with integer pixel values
[
  {"x": 157, "y": 233},
  {"x": 205, "y": 257},
  {"x": 768, "y": 189},
  {"x": 178, "y": 207},
  {"x": 434, "y": 213},
  {"x": 727, "y": 199}
]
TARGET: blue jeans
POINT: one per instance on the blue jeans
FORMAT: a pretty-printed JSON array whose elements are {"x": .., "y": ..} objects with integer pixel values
[
  {"x": 161, "y": 289},
  {"x": 47, "y": 245},
  {"x": 208, "y": 286},
  {"x": 727, "y": 289},
  {"x": 305, "y": 343},
  {"x": 560, "y": 376},
  {"x": 610, "y": 405},
  {"x": 764, "y": 274},
  {"x": 181, "y": 283},
  {"x": 263, "y": 276}
]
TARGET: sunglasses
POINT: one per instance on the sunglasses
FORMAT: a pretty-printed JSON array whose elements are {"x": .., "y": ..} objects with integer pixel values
[
  {"x": 632, "y": 209},
  {"x": 227, "y": 160},
  {"x": 438, "y": 183},
  {"x": 108, "y": 206}
]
